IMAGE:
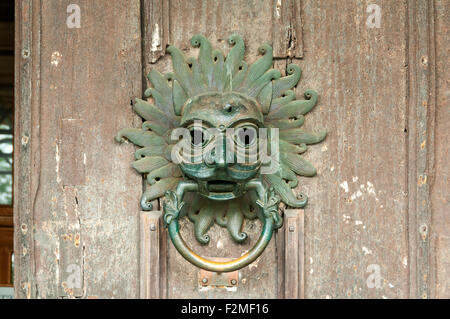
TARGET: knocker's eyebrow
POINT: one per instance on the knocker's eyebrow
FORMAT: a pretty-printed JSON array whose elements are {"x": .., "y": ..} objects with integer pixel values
[
  {"x": 251, "y": 120},
  {"x": 192, "y": 121}
]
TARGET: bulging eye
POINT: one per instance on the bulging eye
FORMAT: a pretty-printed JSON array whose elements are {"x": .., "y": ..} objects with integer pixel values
[
  {"x": 199, "y": 136},
  {"x": 246, "y": 136}
]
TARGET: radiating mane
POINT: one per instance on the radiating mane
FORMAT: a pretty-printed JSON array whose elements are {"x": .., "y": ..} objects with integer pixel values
[{"x": 212, "y": 72}]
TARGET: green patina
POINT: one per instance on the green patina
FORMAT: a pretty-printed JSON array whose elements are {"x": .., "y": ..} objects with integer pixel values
[{"x": 222, "y": 93}]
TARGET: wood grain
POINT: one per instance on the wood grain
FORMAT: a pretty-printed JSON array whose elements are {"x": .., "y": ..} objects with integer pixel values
[
  {"x": 26, "y": 143},
  {"x": 421, "y": 121},
  {"x": 294, "y": 254},
  {"x": 440, "y": 184},
  {"x": 382, "y": 171},
  {"x": 88, "y": 76},
  {"x": 152, "y": 233},
  {"x": 287, "y": 31},
  {"x": 357, "y": 214}
]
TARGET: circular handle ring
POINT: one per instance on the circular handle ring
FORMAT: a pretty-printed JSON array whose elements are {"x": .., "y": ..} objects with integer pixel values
[{"x": 238, "y": 263}]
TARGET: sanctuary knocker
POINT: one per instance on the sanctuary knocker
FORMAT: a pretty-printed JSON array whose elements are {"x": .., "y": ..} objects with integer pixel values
[{"x": 222, "y": 141}]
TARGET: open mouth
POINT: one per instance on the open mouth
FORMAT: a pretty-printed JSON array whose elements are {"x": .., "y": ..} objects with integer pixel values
[
  {"x": 220, "y": 186},
  {"x": 219, "y": 189}
]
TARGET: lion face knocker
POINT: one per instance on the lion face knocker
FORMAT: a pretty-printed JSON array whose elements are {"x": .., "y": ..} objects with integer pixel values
[{"x": 222, "y": 142}]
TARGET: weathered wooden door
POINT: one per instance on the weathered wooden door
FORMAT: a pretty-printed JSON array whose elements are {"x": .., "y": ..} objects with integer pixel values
[{"x": 380, "y": 70}]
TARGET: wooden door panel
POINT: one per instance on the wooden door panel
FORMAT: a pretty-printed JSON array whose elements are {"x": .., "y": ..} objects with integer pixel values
[
  {"x": 257, "y": 21},
  {"x": 357, "y": 213},
  {"x": 84, "y": 195},
  {"x": 363, "y": 226},
  {"x": 357, "y": 201}
]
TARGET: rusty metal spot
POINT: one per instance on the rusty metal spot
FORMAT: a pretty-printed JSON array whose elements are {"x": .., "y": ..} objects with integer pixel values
[
  {"x": 77, "y": 240},
  {"x": 423, "y": 230},
  {"x": 25, "y": 53},
  {"x": 25, "y": 140},
  {"x": 422, "y": 180},
  {"x": 24, "y": 228},
  {"x": 424, "y": 60}
]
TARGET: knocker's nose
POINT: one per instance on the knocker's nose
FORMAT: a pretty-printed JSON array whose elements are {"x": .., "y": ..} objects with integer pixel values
[{"x": 217, "y": 157}]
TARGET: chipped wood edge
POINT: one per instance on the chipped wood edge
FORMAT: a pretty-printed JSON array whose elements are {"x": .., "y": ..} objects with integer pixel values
[
  {"x": 155, "y": 29},
  {"x": 71, "y": 250},
  {"x": 287, "y": 29}
]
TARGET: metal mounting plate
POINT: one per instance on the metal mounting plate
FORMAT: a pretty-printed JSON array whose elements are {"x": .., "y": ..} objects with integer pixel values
[{"x": 218, "y": 280}]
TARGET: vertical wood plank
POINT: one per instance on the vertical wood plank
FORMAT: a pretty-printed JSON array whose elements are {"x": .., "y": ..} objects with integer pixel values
[
  {"x": 88, "y": 76},
  {"x": 294, "y": 254},
  {"x": 280, "y": 254},
  {"x": 356, "y": 219},
  {"x": 421, "y": 125},
  {"x": 440, "y": 196},
  {"x": 26, "y": 143},
  {"x": 152, "y": 278}
]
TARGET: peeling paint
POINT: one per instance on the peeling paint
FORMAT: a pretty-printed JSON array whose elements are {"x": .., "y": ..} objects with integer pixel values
[
  {"x": 56, "y": 58},
  {"x": 344, "y": 185},
  {"x": 156, "y": 40},
  {"x": 25, "y": 140},
  {"x": 57, "y": 159},
  {"x": 405, "y": 262},
  {"x": 346, "y": 218},
  {"x": 369, "y": 188},
  {"x": 278, "y": 8}
]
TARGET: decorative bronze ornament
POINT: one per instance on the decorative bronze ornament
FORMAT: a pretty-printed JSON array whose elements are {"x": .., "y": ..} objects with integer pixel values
[{"x": 210, "y": 97}]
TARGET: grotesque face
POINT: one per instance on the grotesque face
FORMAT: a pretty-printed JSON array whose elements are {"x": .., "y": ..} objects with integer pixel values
[
  {"x": 224, "y": 110},
  {"x": 223, "y": 140},
  {"x": 223, "y": 105}
]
